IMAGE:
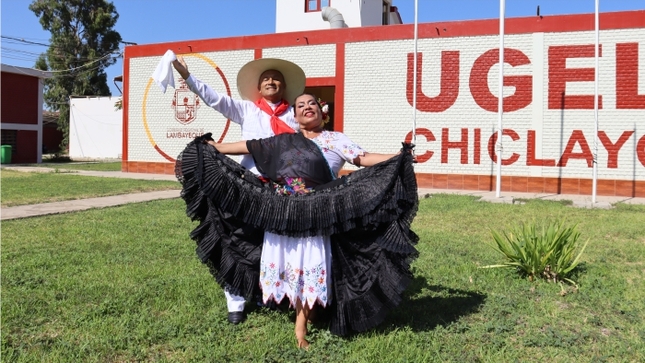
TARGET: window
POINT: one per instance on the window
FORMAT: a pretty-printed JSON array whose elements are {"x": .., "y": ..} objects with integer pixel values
[{"x": 315, "y": 5}]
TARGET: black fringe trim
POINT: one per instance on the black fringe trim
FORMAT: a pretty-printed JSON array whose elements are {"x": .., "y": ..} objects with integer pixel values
[{"x": 366, "y": 198}]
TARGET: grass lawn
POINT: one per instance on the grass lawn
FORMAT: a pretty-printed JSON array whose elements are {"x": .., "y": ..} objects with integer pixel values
[
  {"x": 19, "y": 188},
  {"x": 123, "y": 284}
]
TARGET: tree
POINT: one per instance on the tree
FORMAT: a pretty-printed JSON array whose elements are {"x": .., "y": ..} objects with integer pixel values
[{"x": 83, "y": 43}]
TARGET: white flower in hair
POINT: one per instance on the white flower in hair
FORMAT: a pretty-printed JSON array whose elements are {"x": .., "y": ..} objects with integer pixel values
[{"x": 325, "y": 109}]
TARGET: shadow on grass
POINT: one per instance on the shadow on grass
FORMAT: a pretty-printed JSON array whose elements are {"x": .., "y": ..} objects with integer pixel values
[
  {"x": 444, "y": 306},
  {"x": 440, "y": 305}
]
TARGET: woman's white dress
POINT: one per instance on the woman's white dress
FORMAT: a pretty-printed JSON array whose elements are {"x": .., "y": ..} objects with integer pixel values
[{"x": 300, "y": 268}]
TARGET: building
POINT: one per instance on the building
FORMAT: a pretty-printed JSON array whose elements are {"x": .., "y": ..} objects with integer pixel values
[
  {"x": 22, "y": 112},
  {"x": 297, "y": 15},
  {"x": 52, "y": 136},
  {"x": 367, "y": 75},
  {"x": 95, "y": 128}
]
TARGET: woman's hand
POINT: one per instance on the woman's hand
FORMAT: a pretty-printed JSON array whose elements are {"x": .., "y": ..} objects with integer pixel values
[
  {"x": 370, "y": 159},
  {"x": 414, "y": 156},
  {"x": 181, "y": 67}
]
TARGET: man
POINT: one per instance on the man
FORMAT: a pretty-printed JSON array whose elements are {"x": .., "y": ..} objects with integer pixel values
[{"x": 267, "y": 87}]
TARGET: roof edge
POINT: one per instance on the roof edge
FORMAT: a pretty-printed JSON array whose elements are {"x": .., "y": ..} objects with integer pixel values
[{"x": 25, "y": 71}]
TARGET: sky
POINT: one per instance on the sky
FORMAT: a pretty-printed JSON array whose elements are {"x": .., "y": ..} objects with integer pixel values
[{"x": 159, "y": 21}]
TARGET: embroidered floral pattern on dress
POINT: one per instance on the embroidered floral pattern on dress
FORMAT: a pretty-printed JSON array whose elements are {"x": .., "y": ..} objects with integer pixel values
[
  {"x": 299, "y": 268},
  {"x": 292, "y": 186},
  {"x": 309, "y": 284},
  {"x": 329, "y": 141}
]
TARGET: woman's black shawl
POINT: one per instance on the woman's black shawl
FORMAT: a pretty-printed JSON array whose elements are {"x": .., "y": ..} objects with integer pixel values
[{"x": 367, "y": 215}]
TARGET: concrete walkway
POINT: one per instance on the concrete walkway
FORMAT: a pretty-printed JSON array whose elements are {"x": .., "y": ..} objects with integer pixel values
[
  {"x": 33, "y": 210},
  {"x": 582, "y": 201}
]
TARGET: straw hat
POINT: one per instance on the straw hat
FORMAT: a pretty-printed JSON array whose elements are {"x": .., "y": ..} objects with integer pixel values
[{"x": 249, "y": 75}]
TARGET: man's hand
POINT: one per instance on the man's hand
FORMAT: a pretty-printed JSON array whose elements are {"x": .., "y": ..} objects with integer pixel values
[{"x": 181, "y": 67}]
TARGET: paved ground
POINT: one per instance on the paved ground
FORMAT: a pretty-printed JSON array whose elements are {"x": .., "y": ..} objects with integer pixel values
[{"x": 582, "y": 201}]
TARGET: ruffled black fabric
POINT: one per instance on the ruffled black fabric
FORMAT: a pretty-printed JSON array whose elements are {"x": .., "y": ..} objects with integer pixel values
[
  {"x": 288, "y": 155},
  {"x": 230, "y": 248},
  {"x": 367, "y": 214}
]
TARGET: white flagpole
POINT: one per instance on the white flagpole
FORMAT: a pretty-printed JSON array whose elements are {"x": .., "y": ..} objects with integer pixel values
[
  {"x": 500, "y": 101},
  {"x": 414, "y": 74},
  {"x": 595, "y": 107}
]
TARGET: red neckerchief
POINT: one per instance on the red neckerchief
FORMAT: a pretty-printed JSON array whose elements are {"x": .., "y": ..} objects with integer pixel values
[{"x": 278, "y": 126}]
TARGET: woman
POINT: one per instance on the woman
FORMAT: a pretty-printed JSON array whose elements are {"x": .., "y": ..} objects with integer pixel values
[{"x": 340, "y": 242}]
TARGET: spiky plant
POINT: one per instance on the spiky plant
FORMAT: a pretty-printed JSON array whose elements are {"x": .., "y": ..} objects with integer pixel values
[{"x": 546, "y": 251}]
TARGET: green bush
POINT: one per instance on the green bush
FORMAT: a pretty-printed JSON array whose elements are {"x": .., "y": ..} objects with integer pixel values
[{"x": 540, "y": 251}]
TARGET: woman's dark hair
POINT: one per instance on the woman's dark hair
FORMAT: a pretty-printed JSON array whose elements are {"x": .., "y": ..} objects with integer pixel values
[{"x": 308, "y": 94}]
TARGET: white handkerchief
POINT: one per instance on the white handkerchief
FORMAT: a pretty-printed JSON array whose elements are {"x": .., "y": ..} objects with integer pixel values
[{"x": 163, "y": 75}]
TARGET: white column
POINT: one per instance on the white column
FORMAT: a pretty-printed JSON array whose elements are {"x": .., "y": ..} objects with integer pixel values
[
  {"x": 414, "y": 73},
  {"x": 595, "y": 107},
  {"x": 500, "y": 102},
  {"x": 39, "y": 132}
]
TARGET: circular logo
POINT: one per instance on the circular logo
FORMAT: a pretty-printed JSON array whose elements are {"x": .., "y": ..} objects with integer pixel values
[{"x": 185, "y": 104}]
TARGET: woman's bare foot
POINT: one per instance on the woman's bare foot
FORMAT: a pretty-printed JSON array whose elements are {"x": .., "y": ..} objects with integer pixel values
[
  {"x": 301, "y": 333},
  {"x": 302, "y": 315}
]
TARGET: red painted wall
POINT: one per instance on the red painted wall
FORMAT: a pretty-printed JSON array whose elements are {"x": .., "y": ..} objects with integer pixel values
[
  {"x": 19, "y": 99},
  {"x": 25, "y": 151}
]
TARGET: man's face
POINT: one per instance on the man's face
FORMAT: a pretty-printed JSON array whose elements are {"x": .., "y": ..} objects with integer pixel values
[{"x": 271, "y": 85}]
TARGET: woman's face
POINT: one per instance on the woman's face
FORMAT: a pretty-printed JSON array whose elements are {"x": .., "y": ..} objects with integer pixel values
[{"x": 307, "y": 112}]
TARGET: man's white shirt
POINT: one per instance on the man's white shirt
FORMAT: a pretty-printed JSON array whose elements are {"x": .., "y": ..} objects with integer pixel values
[{"x": 255, "y": 123}]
